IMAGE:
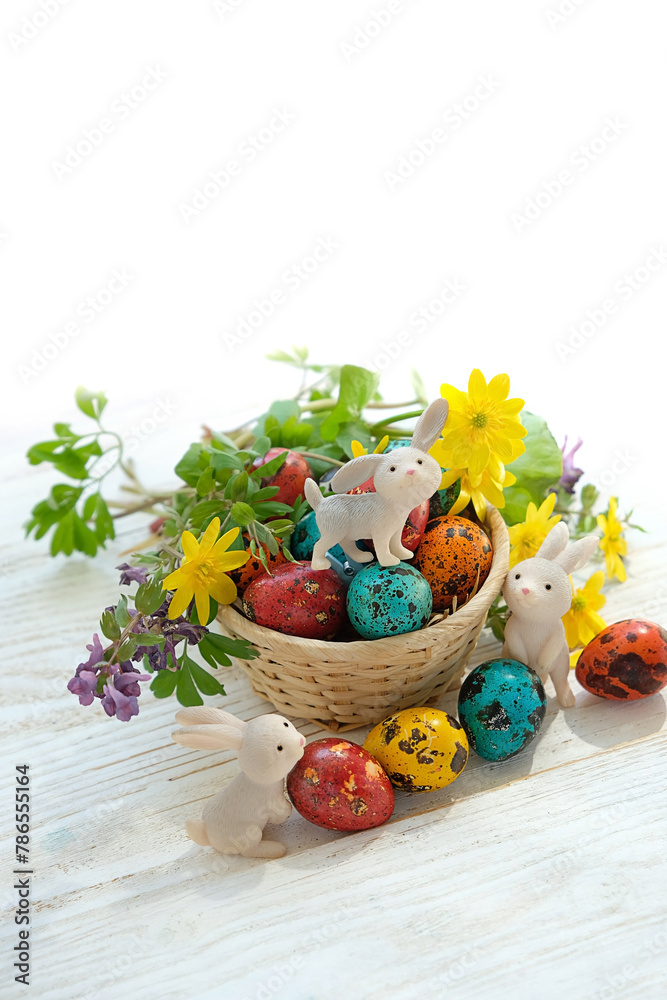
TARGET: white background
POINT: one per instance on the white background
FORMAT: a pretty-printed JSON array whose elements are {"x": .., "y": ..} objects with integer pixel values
[{"x": 358, "y": 103}]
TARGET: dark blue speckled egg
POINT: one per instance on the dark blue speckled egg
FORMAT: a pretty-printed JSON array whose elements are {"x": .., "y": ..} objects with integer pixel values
[
  {"x": 305, "y": 535},
  {"x": 501, "y": 707},
  {"x": 388, "y": 600}
]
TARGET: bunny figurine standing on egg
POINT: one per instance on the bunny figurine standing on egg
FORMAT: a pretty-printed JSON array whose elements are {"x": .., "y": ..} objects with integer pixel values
[
  {"x": 269, "y": 746},
  {"x": 403, "y": 479},
  {"x": 538, "y": 593}
]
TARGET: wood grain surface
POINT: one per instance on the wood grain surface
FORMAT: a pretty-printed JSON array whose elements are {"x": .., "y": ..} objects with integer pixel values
[{"x": 544, "y": 876}]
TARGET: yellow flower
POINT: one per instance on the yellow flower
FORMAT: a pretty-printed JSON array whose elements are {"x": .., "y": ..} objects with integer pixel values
[
  {"x": 612, "y": 543},
  {"x": 202, "y": 574},
  {"x": 482, "y": 435},
  {"x": 358, "y": 448},
  {"x": 527, "y": 537},
  {"x": 582, "y": 622}
]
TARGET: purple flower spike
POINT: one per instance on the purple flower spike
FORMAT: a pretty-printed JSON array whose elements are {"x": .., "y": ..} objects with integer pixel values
[
  {"x": 85, "y": 686},
  {"x": 128, "y": 683},
  {"x": 571, "y": 474},
  {"x": 131, "y": 574},
  {"x": 96, "y": 654}
]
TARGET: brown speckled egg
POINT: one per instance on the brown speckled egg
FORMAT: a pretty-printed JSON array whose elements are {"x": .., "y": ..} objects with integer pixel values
[
  {"x": 626, "y": 661},
  {"x": 414, "y": 526},
  {"x": 340, "y": 786},
  {"x": 298, "y": 600},
  {"x": 244, "y": 575},
  {"x": 451, "y": 555},
  {"x": 289, "y": 478}
]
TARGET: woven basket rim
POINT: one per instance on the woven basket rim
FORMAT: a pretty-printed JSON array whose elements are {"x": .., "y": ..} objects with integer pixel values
[{"x": 416, "y": 641}]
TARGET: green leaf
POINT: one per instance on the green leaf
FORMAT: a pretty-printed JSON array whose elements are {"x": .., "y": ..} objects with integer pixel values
[
  {"x": 186, "y": 692},
  {"x": 206, "y": 482},
  {"x": 164, "y": 682},
  {"x": 357, "y": 386},
  {"x": 90, "y": 403},
  {"x": 270, "y": 468},
  {"x": 539, "y": 468},
  {"x": 149, "y": 596},
  {"x": 43, "y": 452},
  {"x": 70, "y": 464},
  {"x": 110, "y": 627},
  {"x": 214, "y": 647},
  {"x": 283, "y": 409},
  {"x": 280, "y": 356},
  {"x": 104, "y": 527},
  {"x": 122, "y": 616},
  {"x": 84, "y": 539},
  {"x": 589, "y": 496},
  {"x": 212, "y": 612},
  {"x": 265, "y": 493},
  {"x": 266, "y": 536},
  {"x": 205, "y": 510},
  {"x": 205, "y": 682},
  {"x": 242, "y": 513},
  {"x": 237, "y": 487},
  {"x": 261, "y": 446},
  {"x": 86, "y": 451},
  {"x": 225, "y": 460},
  {"x": 65, "y": 432},
  {"x": 188, "y": 468}
]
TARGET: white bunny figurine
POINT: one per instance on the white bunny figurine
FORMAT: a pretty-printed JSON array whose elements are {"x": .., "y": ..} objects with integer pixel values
[
  {"x": 269, "y": 746},
  {"x": 538, "y": 593},
  {"x": 403, "y": 479}
]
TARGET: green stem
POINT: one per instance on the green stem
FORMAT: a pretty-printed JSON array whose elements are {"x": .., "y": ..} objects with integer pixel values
[
  {"x": 123, "y": 636},
  {"x": 396, "y": 417},
  {"x": 321, "y": 458}
]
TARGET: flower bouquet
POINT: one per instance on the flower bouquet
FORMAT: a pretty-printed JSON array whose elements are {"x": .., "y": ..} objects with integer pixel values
[{"x": 236, "y": 518}]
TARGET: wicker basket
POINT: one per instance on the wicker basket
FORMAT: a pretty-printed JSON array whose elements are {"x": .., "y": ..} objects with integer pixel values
[{"x": 344, "y": 685}]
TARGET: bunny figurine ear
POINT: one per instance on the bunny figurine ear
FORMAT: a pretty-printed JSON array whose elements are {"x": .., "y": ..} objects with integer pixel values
[
  {"x": 430, "y": 425},
  {"x": 201, "y": 715},
  {"x": 555, "y": 541},
  {"x": 578, "y": 553},
  {"x": 209, "y": 737},
  {"x": 355, "y": 472}
]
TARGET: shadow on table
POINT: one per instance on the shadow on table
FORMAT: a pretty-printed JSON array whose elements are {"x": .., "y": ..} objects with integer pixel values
[{"x": 604, "y": 723}]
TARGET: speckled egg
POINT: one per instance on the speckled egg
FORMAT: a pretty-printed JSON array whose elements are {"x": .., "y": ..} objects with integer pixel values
[
  {"x": 340, "y": 786},
  {"x": 388, "y": 600},
  {"x": 306, "y": 534},
  {"x": 626, "y": 661},
  {"x": 415, "y": 523},
  {"x": 397, "y": 443},
  {"x": 442, "y": 501},
  {"x": 501, "y": 707},
  {"x": 421, "y": 749},
  {"x": 244, "y": 575},
  {"x": 289, "y": 478},
  {"x": 453, "y": 553},
  {"x": 297, "y": 600}
]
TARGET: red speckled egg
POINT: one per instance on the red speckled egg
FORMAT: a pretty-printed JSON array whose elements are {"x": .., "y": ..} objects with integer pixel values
[
  {"x": 340, "y": 786},
  {"x": 298, "y": 600},
  {"x": 289, "y": 478},
  {"x": 244, "y": 575},
  {"x": 414, "y": 526},
  {"x": 451, "y": 555},
  {"x": 626, "y": 661}
]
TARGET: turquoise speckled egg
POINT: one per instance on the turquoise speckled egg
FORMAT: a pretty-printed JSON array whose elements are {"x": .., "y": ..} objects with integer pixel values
[
  {"x": 388, "y": 600},
  {"x": 501, "y": 707},
  {"x": 305, "y": 535},
  {"x": 398, "y": 443}
]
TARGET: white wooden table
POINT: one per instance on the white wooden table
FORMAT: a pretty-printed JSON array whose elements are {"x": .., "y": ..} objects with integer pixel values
[{"x": 544, "y": 876}]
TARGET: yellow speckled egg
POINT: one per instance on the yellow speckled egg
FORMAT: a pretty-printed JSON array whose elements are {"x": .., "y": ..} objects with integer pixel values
[{"x": 421, "y": 749}]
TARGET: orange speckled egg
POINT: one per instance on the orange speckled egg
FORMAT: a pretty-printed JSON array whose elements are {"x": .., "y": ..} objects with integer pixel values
[
  {"x": 451, "y": 555},
  {"x": 244, "y": 575}
]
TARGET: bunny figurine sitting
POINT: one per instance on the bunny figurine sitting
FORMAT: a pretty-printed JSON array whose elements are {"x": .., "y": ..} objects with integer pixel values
[
  {"x": 538, "y": 593},
  {"x": 269, "y": 746},
  {"x": 403, "y": 479}
]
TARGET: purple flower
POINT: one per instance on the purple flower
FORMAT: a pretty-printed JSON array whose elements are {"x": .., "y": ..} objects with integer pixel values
[
  {"x": 571, "y": 473},
  {"x": 120, "y": 697},
  {"x": 96, "y": 655},
  {"x": 131, "y": 574},
  {"x": 85, "y": 685}
]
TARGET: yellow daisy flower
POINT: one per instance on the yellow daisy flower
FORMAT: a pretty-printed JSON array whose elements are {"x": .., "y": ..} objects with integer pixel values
[
  {"x": 202, "y": 574},
  {"x": 527, "y": 537},
  {"x": 358, "y": 448},
  {"x": 582, "y": 622},
  {"x": 612, "y": 543},
  {"x": 482, "y": 435}
]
